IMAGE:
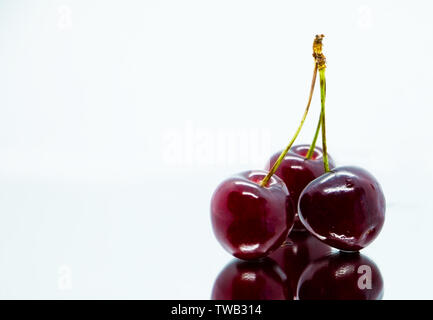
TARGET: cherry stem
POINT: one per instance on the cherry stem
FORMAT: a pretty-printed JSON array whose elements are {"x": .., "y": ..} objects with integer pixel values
[
  {"x": 322, "y": 113},
  {"x": 316, "y": 135},
  {"x": 321, "y": 65},
  {"x": 283, "y": 154}
]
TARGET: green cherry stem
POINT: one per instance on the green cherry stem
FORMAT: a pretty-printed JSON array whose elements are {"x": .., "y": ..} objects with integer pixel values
[
  {"x": 322, "y": 113},
  {"x": 321, "y": 65},
  {"x": 316, "y": 135},
  {"x": 283, "y": 154}
]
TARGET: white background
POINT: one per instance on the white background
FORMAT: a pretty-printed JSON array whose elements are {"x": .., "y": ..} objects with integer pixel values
[{"x": 119, "y": 118}]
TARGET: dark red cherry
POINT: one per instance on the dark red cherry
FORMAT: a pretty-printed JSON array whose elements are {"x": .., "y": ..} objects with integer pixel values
[
  {"x": 252, "y": 280},
  {"x": 297, "y": 252},
  {"x": 297, "y": 172},
  {"x": 344, "y": 208},
  {"x": 249, "y": 220},
  {"x": 341, "y": 276}
]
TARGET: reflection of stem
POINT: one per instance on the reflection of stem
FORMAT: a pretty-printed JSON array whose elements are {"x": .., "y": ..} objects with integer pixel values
[{"x": 283, "y": 154}]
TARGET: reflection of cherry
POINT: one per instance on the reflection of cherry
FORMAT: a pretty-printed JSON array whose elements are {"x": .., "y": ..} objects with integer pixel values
[
  {"x": 296, "y": 171},
  {"x": 341, "y": 276},
  {"x": 298, "y": 251},
  {"x": 251, "y": 220},
  {"x": 251, "y": 280}
]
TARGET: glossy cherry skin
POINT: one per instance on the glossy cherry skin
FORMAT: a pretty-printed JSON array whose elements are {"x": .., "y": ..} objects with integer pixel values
[
  {"x": 296, "y": 172},
  {"x": 344, "y": 208},
  {"x": 297, "y": 252},
  {"x": 341, "y": 276},
  {"x": 248, "y": 220},
  {"x": 252, "y": 280}
]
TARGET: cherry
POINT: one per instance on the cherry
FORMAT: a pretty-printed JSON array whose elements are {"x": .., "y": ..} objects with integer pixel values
[
  {"x": 341, "y": 276},
  {"x": 252, "y": 280},
  {"x": 297, "y": 171},
  {"x": 297, "y": 252},
  {"x": 344, "y": 208},
  {"x": 251, "y": 220}
]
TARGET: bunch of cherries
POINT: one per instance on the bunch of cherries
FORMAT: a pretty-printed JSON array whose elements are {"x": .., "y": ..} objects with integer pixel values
[{"x": 253, "y": 212}]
